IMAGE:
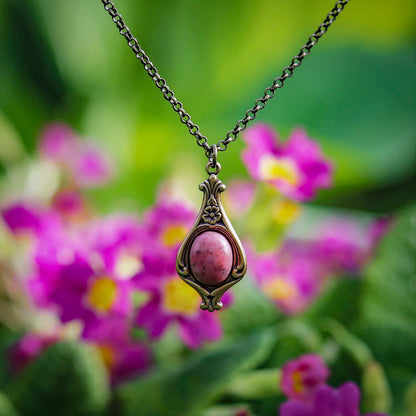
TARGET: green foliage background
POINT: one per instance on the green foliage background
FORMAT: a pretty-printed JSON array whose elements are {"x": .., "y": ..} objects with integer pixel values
[{"x": 355, "y": 93}]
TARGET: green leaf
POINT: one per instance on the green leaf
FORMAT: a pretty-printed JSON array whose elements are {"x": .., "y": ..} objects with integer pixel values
[
  {"x": 32, "y": 86},
  {"x": 6, "y": 407},
  {"x": 257, "y": 384},
  {"x": 188, "y": 389},
  {"x": 295, "y": 337},
  {"x": 376, "y": 390},
  {"x": 7, "y": 339},
  {"x": 389, "y": 302},
  {"x": 67, "y": 379},
  {"x": 349, "y": 342},
  {"x": 411, "y": 398},
  {"x": 339, "y": 301},
  {"x": 388, "y": 317}
]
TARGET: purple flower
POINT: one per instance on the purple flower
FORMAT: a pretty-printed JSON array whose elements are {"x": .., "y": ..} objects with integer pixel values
[
  {"x": 346, "y": 245},
  {"x": 296, "y": 168},
  {"x": 296, "y": 408},
  {"x": 302, "y": 376},
  {"x": 77, "y": 284},
  {"x": 239, "y": 197},
  {"x": 87, "y": 165},
  {"x": 293, "y": 275},
  {"x": 121, "y": 243},
  {"x": 290, "y": 277},
  {"x": 58, "y": 142},
  {"x": 327, "y": 401},
  {"x": 91, "y": 167},
  {"x": 70, "y": 204},
  {"x": 29, "y": 219},
  {"x": 88, "y": 275},
  {"x": 124, "y": 358},
  {"x": 168, "y": 222}
]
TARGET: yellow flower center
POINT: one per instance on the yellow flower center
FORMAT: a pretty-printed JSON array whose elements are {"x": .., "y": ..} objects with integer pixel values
[
  {"x": 102, "y": 294},
  {"x": 297, "y": 382},
  {"x": 180, "y": 298},
  {"x": 279, "y": 289},
  {"x": 107, "y": 355},
  {"x": 127, "y": 266},
  {"x": 272, "y": 168},
  {"x": 173, "y": 235},
  {"x": 285, "y": 212}
]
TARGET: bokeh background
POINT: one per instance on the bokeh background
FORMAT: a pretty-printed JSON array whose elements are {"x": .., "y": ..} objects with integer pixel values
[{"x": 355, "y": 94}]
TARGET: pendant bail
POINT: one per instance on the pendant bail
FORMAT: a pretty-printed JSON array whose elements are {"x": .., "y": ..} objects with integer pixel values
[{"x": 212, "y": 166}]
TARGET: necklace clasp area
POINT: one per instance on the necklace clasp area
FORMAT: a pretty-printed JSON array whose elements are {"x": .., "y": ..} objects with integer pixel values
[{"x": 213, "y": 166}]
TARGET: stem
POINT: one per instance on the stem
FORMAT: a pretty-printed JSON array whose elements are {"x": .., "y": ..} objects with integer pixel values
[
  {"x": 256, "y": 384},
  {"x": 355, "y": 346}
]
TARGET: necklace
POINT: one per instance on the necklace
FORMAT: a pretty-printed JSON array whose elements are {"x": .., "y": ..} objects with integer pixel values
[{"x": 211, "y": 258}]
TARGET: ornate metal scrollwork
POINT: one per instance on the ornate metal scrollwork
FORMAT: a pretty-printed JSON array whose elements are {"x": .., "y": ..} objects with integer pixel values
[{"x": 212, "y": 217}]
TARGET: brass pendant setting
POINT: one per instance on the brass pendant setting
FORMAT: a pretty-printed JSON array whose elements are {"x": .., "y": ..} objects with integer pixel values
[{"x": 211, "y": 258}]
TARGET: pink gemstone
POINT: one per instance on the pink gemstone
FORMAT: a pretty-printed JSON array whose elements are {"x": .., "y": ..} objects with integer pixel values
[{"x": 211, "y": 258}]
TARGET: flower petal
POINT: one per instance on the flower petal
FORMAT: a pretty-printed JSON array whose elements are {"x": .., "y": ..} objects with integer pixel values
[
  {"x": 296, "y": 168},
  {"x": 349, "y": 399},
  {"x": 152, "y": 318},
  {"x": 204, "y": 327},
  {"x": 296, "y": 408},
  {"x": 326, "y": 402},
  {"x": 91, "y": 167},
  {"x": 58, "y": 142}
]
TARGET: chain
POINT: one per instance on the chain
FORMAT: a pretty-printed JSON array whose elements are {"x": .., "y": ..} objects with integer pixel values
[{"x": 259, "y": 104}]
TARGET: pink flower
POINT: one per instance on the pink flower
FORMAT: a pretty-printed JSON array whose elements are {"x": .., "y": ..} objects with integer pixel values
[
  {"x": 293, "y": 275},
  {"x": 58, "y": 142},
  {"x": 302, "y": 376},
  {"x": 173, "y": 303},
  {"x": 296, "y": 168},
  {"x": 29, "y": 219},
  {"x": 346, "y": 245},
  {"x": 91, "y": 167},
  {"x": 239, "y": 197},
  {"x": 70, "y": 204},
  {"x": 328, "y": 401},
  {"x": 168, "y": 222},
  {"x": 290, "y": 277},
  {"x": 121, "y": 243},
  {"x": 87, "y": 278},
  {"x": 87, "y": 165},
  {"x": 124, "y": 358}
]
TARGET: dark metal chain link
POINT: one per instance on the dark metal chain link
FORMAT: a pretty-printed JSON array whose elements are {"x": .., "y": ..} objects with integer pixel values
[{"x": 260, "y": 103}]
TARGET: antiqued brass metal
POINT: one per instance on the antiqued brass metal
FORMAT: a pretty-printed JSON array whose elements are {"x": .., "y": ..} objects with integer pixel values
[{"x": 212, "y": 217}]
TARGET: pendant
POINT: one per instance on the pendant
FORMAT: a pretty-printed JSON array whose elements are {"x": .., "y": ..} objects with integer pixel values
[{"x": 211, "y": 258}]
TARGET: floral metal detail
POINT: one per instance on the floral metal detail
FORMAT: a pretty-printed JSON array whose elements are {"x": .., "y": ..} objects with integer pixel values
[{"x": 212, "y": 212}]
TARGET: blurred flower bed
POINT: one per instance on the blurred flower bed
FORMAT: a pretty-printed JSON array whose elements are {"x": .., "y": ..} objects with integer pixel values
[
  {"x": 106, "y": 286},
  {"x": 94, "y": 320}
]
